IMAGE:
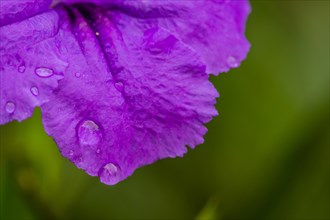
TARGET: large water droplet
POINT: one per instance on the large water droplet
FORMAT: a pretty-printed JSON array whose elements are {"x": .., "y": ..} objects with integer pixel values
[
  {"x": 119, "y": 86},
  {"x": 34, "y": 90},
  {"x": 21, "y": 68},
  {"x": 89, "y": 133},
  {"x": 10, "y": 107},
  {"x": 110, "y": 174},
  {"x": 44, "y": 72},
  {"x": 232, "y": 62}
]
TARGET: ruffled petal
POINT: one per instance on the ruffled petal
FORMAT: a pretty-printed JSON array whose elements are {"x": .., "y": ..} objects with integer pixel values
[
  {"x": 131, "y": 95},
  {"x": 215, "y": 29},
  {"x": 135, "y": 87},
  {"x": 17, "y": 10},
  {"x": 29, "y": 66}
]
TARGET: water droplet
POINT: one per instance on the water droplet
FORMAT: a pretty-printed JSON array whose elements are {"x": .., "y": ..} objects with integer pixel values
[
  {"x": 232, "y": 62},
  {"x": 71, "y": 153},
  {"x": 34, "y": 90},
  {"x": 10, "y": 107},
  {"x": 119, "y": 86},
  {"x": 44, "y": 72},
  {"x": 77, "y": 74},
  {"x": 21, "y": 68},
  {"x": 110, "y": 174},
  {"x": 89, "y": 133},
  {"x": 98, "y": 150},
  {"x": 97, "y": 33}
]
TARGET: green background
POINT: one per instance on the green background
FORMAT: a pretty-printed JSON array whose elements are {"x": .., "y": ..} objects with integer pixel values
[{"x": 266, "y": 156}]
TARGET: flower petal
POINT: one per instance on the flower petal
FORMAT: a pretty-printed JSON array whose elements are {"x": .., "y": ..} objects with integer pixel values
[
  {"x": 13, "y": 10},
  {"x": 29, "y": 66},
  {"x": 131, "y": 95},
  {"x": 215, "y": 29}
]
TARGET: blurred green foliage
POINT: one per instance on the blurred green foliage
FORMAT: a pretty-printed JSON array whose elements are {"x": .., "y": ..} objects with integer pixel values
[{"x": 265, "y": 157}]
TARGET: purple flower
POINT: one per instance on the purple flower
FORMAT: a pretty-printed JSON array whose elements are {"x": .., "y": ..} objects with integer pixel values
[{"x": 120, "y": 83}]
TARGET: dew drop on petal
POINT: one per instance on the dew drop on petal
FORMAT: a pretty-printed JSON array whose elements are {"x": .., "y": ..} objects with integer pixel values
[
  {"x": 89, "y": 133},
  {"x": 98, "y": 150},
  {"x": 110, "y": 174},
  {"x": 44, "y": 72},
  {"x": 77, "y": 74},
  {"x": 10, "y": 107},
  {"x": 71, "y": 153},
  {"x": 34, "y": 90},
  {"x": 232, "y": 62},
  {"x": 21, "y": 68},
  {"x": 119, "y": 86}
]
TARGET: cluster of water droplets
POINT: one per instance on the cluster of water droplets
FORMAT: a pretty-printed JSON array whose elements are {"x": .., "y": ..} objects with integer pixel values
[
  {"x": 42, "y": 72},
  {"x": 88, "y": 131},
  {"x": 89, "y": 135}
]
